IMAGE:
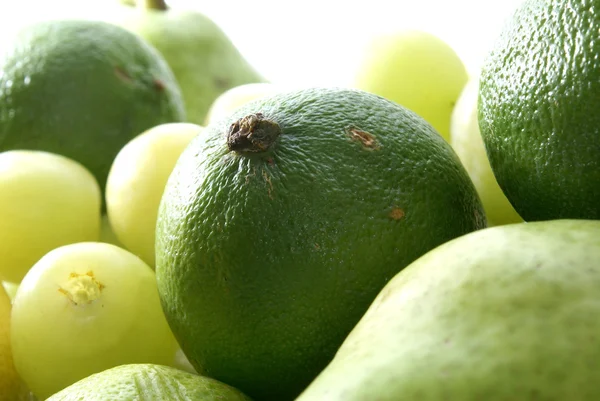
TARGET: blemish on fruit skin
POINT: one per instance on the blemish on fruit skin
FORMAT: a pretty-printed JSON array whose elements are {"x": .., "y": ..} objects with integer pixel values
[
  {"x": 122, "y": 74},
  {"x": 158, "y": 84},
  {"x": 367, "y": 139},
  {"x": 396, "y": 213},
  {"x": 268, "y": 181}
]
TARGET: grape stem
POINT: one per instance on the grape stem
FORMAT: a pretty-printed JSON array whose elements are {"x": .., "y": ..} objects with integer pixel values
[{"x": 152, "y": 4}]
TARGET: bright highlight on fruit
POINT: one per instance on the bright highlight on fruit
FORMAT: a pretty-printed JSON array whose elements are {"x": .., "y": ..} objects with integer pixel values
[
  {"x": 417, "y": 70},
  {"x": 46, "y": 201},
  {"x": 11, "y": 289},
  {"x": 466, "y": 140},
  {"x": 137, "y": 180},
  {"x": 84, "y": 308}
]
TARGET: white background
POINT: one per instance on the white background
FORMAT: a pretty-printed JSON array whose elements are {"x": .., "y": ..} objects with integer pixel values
[{"x": 318, "y": 42}]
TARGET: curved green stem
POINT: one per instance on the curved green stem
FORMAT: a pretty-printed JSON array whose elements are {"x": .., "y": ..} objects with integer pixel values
[{"x": 152, "y": 4}]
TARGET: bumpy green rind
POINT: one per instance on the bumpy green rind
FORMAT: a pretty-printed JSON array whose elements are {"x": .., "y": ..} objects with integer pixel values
[
  {"x": 538, "y": 110},
  {"x": 82, "y": 89},
  {"x": 148, "y": 382},
  {"x": 266, "y": 261}
]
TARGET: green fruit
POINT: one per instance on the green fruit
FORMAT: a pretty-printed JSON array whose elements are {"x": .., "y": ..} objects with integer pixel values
[
  {"x": 148, "y": 382},
  {"x": 46, "y": 201},
  {"x": 238, "y": 96},
  {"x": 136, "y": 182},
  {"x": 466, "y": 141},
  {"x": 84, "y": 308},
  {"x": 204, "y": 60},
  {"x": 417, "y": 70},
  {"x": 506, "y": 313},
  {"x": 107, "y": 234},
  {"x": 82, "y": 89},
  {"x": 281, "y": 223},
  {"x": 11, "y": 289},
  {"x": 12, "y": 387},
  {"x": 538, "y": 110}
]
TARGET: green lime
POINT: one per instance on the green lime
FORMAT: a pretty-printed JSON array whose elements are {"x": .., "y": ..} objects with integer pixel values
[
  {"x": 538, "y": 109},
  {"x": 82, "y": 89},
  {"x": 282, "y": 221},
  {"x": 136, "y": 382}
]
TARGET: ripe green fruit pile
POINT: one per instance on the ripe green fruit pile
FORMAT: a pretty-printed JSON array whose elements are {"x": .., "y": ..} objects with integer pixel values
[{"x": 174, "y": 227}]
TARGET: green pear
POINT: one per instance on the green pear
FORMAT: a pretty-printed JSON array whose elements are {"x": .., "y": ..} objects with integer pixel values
[
  {"x": 204, "y": 60},
  {"x": 504, "y": 313}
]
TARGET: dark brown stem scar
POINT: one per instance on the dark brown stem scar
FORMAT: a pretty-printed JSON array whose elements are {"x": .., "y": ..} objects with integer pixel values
[
  {"x": 396, "y": 213},
  {"x": 252, "y": 134},
  {"x": 367, "y": 139}
]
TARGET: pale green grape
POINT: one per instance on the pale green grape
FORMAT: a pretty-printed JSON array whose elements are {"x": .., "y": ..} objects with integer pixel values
[
  {"x": 136, "y": 183},
  {"x": 238, "y": 96},
  {"x": 468, "y": 144},
  {"x": 84, "y": 308},
  {"x": 415, "y": 69},
  {"x": 46, "y": 201}
]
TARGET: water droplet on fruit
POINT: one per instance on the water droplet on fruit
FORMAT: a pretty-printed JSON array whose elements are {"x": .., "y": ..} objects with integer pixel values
[{"x": 27, "y": 80}]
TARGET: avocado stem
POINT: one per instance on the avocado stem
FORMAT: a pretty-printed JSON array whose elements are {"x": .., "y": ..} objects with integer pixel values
[{"x": 152, "y": 4}]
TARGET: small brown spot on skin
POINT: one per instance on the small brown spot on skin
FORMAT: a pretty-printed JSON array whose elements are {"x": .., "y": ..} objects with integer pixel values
[
  {"x": 122, "y": 74},
  {"x": 367, "y": 139},
  {"x": 159, "y": 85},
  {"x": 396, "y": 213}
]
